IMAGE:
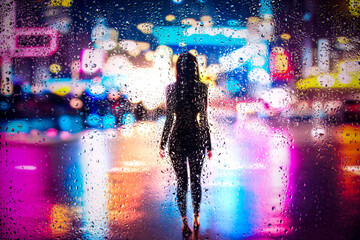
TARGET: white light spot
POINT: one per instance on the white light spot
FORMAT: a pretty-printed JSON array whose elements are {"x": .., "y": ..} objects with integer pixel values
[
  {"x": 344, "y": 78},
  {"x": 318, "y": 133},
  {"x": 26, "y": 167},
  {"x": 326, "y": 80},
  {"x": 259, "y": 75},
  {"x": 277, "y": 98},
  {"x": 97, "y": 89},
  {"x": 258, "y": 61}
]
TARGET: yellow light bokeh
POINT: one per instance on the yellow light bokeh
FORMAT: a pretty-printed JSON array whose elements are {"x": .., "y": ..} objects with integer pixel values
[
  {"x": 281, "y": 63},
  {"x": 67, "y": 3},
  {"x": 313, "y": 82},
  {"x": 207, "y": 21},
  {"x": 60, "y": 220},
  {"x": 62, "y": 91},
  {"x": 170, "y": 18},
  {"x": 143, "y": 45},
  {"x": 206, "y": 18},
  {"x": 55, "y": 2},
  {"x": 76, "y": 103},
  {"x": 347, "y": 76},
  {"x": 64, "y": 3},
  {"x": 354, "y": 6},
  {"x": 188, "y": 21},
  {"x": 348, "y": 134},
  {"x": 253, "y": 20},
  {"x": 285, "y": 36},
  {"x": 145, "y": 28},
  {"x": 55, "y": 68},
  {"x": 343, "y": 40},
  {"x": 149, "y": 56}
]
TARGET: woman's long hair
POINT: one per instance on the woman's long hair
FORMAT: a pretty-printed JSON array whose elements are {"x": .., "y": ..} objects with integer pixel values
[{"x": 187, "y": 77}]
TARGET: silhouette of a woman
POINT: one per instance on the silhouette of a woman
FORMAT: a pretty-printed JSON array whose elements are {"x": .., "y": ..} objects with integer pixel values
[{"x": 187, "y": 132}]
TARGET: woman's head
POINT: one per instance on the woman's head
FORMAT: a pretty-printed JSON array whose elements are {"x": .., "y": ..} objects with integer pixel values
[
  {"x": 187, "y": 69},
  {"x": 187, "y": 74}
]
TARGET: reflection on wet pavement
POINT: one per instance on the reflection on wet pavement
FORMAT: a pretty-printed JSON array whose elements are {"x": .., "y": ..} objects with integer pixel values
[{"x": 266, "y": 181}]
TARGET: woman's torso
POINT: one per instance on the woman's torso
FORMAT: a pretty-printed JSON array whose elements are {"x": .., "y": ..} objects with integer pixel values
[{"x": 187, "y": 126}]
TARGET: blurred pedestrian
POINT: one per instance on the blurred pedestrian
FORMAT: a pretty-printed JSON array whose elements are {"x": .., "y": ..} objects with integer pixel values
[{"x": 187, "y": 132}]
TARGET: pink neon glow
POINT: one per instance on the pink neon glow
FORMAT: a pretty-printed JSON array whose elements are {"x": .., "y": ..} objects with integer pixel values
[
  {"x": 65, "y": 135},
  {"x": 42, "y": 51},
  {"x": 92, "y": 60},
  {"x": 52, "y": 132},
  {"x": 25, "y": 167},
  {"x": 23, "y": 172}
]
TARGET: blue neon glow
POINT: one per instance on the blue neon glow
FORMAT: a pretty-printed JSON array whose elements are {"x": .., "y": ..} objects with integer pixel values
[
  {"x": 26, "y": 88},
  {"x": 233, "y": 86},
  {"x": 234, "y": 206},
  {"x": 265, "y": 8},
  {"x": 74, "y": 183},
  {"x": 93, "y": 120},
  {"x": 15, "y": 126},
  {"x": 128, "y": 119},
  {"x": 261, "y": 59},
  {"x": 233, "y": 212},
  {"x": 95, "y": 95},
  {"x": 57, "y": 80},
  {"x": 233, "y": 22},
  {"x": 42, "y": 124},
  {"x": 117, "y": 81},
  {"x": 4, "y": 106},
  {"x": 307, "y": 16},
  {"x": 109, "y": 121},
  {"x": 70, "y": 123},
  {"x": 215, "y": 36}
]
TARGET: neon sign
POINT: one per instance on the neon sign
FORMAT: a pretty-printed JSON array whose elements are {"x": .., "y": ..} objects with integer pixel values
[
  {"x": 10, "y": 47},
  {"x": 280, "y": 65},
  {"x": 213, "y": 36}
]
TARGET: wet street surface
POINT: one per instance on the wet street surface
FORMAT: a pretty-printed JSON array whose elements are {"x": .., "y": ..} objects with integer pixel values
[{"x": 268, "y": 179}]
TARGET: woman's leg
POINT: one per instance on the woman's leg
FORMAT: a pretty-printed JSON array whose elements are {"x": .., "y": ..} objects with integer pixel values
[
  {"x": 196, "y": 161},
  {"x": 179, "y": 163}
]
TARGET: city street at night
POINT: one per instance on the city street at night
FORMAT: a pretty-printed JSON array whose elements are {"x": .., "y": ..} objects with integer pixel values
[
  {"x": 266, "y": 180},
  {"x": 180, "y": 119}
]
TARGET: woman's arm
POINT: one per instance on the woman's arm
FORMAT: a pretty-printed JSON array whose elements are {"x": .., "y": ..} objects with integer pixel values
[
  {"x": 169, "y": 118},
  {"x": 206, "y": 123}
]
